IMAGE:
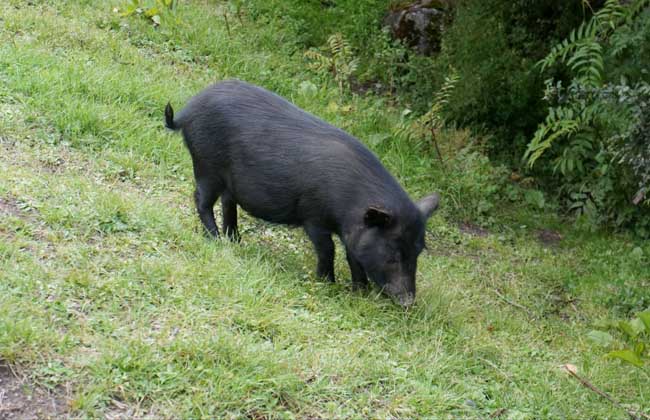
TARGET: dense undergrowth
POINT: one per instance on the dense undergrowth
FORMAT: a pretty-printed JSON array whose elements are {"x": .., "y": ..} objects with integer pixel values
[
  {"x": 110, "y": 294},
  {"x": 495, "y": 48}
]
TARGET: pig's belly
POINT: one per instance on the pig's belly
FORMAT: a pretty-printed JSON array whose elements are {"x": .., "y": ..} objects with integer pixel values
[{"x": 274, "y": 205}]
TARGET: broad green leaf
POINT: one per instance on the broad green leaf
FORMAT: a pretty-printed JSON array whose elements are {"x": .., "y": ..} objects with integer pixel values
[
  {"x": 600, "y": 338},
  {"x": 307, "y": 88},
  {"x": 129, "y": 11},
  {"x": 639, "y": 348},
  {"x": 601, "y": 323},
  {"x": 645, "y": 318},
  {"x": 627, "y": 328},
  {"x": 150, "y": 13},
  {"x": 332, "y": 107},
  {"x": 638, "y": 326},
  {"x": 376, "y": 139},
  {"x": 637, "y": 253},
  {"x": 535, "y": 198},
  {"x": 627, "y": 356}
]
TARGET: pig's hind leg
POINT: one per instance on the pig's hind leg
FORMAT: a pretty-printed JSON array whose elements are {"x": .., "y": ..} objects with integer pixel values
[
  {"x": 229, "y": 210},
  {"x": 324, "y": 246},
  {"x": 206, "y": 194}
]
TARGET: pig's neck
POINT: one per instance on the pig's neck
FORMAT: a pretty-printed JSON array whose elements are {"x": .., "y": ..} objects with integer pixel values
[{"x": 350, "y": 232}]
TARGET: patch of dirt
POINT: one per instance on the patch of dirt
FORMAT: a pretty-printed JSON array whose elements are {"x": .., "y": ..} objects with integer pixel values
[
  {"x": 20, "y": 400},
  {"x": 548, "y": 237},
  {"x": 8, "y": 207},
  {"x": 446, "y": 248},
  {"x": 472, "y": 229},
  {"x": 120, "y": 411},
  {"x": 53, "y": 165},
  {"x": 369, "y": 86}
]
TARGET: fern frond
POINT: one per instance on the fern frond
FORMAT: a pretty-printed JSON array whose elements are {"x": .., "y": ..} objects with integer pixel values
[
  {"x": 427, "y": 124},
  {"x": 575, "y": 153},
  {"x": 339, "y": 46},
  {"x": 442, "y": 96},
  {"x": 581, "y": 41},
  {"x": 559, "y": 122},
  {"x": 319, "y": 62},
  {"x": 433, "y": 117},
  {"x": 635, "y": 9},
  {"x": 339, "y": 61},
  {"x": 587, "y": 62}
]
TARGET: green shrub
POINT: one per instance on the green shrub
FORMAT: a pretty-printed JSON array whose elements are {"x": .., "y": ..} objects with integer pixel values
[
  {"x": 630, "y": 342},
  {"x": 494, "y": 45},
  {"x": 595, "y": 138}
]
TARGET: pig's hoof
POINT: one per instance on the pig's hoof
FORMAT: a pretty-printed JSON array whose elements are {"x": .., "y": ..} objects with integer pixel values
[
  {"x": 359, "y": 286},
  {"x": 211, "y": 235},
  {"x": 326, "y": 278}
]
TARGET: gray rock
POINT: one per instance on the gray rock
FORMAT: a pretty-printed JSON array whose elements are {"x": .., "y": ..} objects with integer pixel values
[{"x": 420, "y": 24}]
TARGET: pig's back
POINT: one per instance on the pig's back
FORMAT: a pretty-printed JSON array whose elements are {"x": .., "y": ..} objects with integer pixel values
[{"x": 281, "y": 163}]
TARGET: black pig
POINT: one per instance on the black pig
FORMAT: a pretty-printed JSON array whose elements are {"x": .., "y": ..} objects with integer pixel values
[{"x": 253, "y": 148}]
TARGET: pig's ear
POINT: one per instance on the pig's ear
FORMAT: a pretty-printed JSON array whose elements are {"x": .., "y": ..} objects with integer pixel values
[
  {"x": 428, "y": 205},
  {"x": 376, "y": 217}
]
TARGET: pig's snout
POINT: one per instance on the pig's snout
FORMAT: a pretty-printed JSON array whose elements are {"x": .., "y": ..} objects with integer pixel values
[
  {"x": 405, "y": 300},
  {"x": 402, "y": 297}
]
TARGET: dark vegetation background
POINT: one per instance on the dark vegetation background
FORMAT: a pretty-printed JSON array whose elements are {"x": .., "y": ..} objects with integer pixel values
[{"x": 493, "y": 46}]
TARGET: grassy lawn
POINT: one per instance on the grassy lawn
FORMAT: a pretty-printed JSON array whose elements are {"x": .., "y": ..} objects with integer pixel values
[{"x": 111, "y": 296}]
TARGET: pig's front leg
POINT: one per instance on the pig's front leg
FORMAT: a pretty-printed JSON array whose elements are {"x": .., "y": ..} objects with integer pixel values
[{"x": 359, "y": 278}]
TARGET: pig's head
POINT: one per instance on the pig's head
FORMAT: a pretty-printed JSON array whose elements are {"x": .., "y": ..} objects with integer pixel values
[{"x": 388, "y": 245}]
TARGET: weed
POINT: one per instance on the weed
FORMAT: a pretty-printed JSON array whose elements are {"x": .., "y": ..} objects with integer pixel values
[
  {"x": 635, "y": 335},
  {"x": 151, "y": 13},
  {"x": 339, "y": 61}
]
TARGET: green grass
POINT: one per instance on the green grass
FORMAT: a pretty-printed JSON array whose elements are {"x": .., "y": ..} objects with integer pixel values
[{"x": 110, "y": 291}]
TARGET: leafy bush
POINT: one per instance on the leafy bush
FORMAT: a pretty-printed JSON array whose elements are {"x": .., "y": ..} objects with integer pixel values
[
  {"x": 630, "y": 342},
  {"x": 427, "y": 127},
  {"x": 474, "y": 188},
  {"x": 493, "y": 45},
  {"x": 595, "y": 135},
  {"x": 632, "y": 148},
  {"x": 380, "y": 58},
  {"x": 630, "y": 297}
]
